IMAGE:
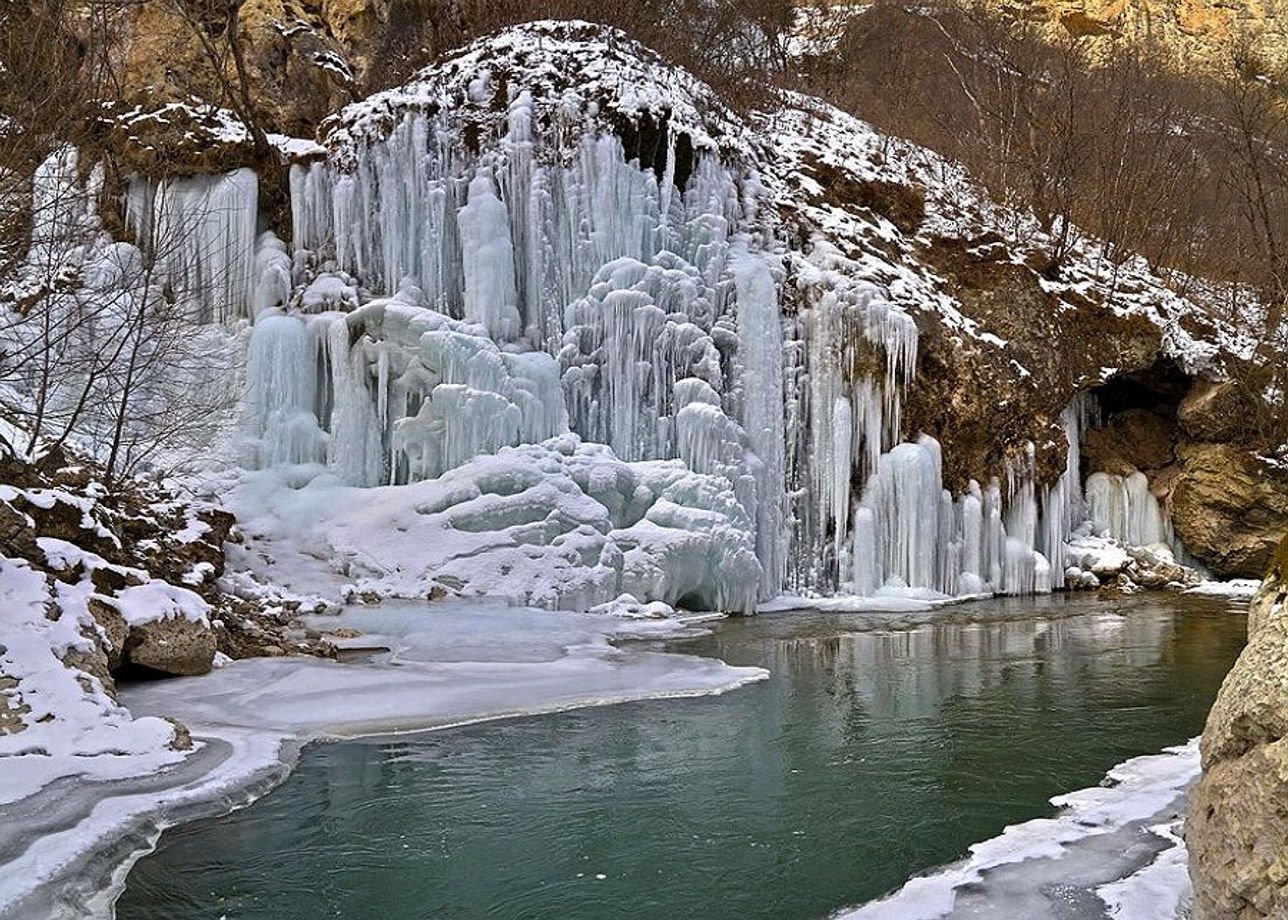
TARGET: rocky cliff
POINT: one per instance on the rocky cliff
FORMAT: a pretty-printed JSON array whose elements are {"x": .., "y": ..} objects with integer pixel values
[
  {"x": 1237, "y": 831},
  {"x": 1205, "y": 32}
]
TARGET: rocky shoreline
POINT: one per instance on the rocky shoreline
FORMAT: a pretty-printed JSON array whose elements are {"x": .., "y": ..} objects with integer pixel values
[{"x": 1237, "y": 831}]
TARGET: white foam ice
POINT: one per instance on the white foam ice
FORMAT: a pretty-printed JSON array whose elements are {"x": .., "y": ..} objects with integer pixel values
[{"x": 1112, "y": 850}]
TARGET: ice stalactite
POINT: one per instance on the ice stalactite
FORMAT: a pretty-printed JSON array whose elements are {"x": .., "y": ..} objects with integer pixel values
[
  {"x": 1063, "y": 507},
  {"x": 201, "y": 233},
  {"x": 859, "y": 352},
  {"x": 1122, "y": 507}
]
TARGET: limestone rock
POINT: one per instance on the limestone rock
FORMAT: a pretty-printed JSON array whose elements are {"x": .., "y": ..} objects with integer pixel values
[
  {"x": 1237, "y": 830},
  {"x": 173, "y": 646},
  {"x": 115, "y": 630},
  {"x": 1237, "y": 833},
  {"x": 1214, "y": 411},
  {"x": 1154, "y": 567},
  {"x": 1203, "y": 31},
  {"x": 17, "y": 533},
  {"x": 1136, "y": 439},
  {"x": 1229, "y": 508}
]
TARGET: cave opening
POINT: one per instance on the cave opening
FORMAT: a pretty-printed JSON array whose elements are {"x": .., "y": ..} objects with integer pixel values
[
  {"x": 1158, "y": 389},
  {"x": 648, "y": 139}
]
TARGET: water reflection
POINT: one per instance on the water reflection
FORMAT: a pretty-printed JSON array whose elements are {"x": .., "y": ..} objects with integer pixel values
[{"x": 881, "y": 746}]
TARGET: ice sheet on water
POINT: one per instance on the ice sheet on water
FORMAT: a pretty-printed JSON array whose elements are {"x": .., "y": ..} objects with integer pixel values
[
  {"x": 1111, "y": 851},
  {"x": 440, "y": 671},
  {"x": 1237, "y": 588}
]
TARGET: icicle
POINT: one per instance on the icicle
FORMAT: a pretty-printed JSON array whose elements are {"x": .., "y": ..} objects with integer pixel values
[{"x": 201, "y": 233}]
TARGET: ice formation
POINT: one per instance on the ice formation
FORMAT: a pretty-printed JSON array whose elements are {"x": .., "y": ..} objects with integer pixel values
[
  {"x": 480, "y": 264},
  {"x": 1122, "y": 507},
  {"x": 201, "y": 232}
]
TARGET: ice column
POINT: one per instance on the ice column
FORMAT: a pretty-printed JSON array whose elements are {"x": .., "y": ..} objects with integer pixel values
[
  {"x": 760, "y": 349},
  {"x": 488, "y": 256}
]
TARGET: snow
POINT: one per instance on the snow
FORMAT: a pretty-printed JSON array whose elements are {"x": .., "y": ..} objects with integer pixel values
[
  {"x": 1235, "y": 588},
  {"x": 71, "y": 727},
  {"x": 157, "y": 600},
  {"x": 506, "y": 356},
  {"x": 1118, "y": 842}
]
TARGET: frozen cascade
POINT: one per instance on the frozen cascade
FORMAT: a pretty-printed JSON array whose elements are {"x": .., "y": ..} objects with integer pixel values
[
  {"x": 460, "y": 302},
  {"x": 201, "y": 233},
  {"x": 657, "y": 353},
  {"x": 281, "y": 393},
  {"x": 1122, "y": 507}
]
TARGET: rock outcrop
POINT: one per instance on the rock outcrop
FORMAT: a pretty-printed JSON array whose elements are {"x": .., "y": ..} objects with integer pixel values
[
  {"x": 1237, "y": 830},
  {"x": 97, "y": 548},
  {"x": 1229, "y": 507}
]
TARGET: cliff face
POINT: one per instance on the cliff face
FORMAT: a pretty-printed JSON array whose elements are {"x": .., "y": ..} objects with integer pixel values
[
  {"x": 1237, "y": 830},
  {"x": 1203, "y": 31}
]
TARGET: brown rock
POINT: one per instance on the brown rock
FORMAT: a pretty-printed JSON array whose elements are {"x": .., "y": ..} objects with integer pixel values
[
  {"x": 173, "y": 646},
  {"x": 93, "y": 662},
  {"x": 1238, "y": 837},
  {"x": 1237, "y": 829},
  {"x": 1214, "y": 411},
  {"x": 978, "y": 398},
  {"x": 1229, "y": 508},
  {"x": 11, "y": 713},
  {"x": 17, "y": 534},
  {"x": 1136, "y": 439},
  {"x": 182, "y": 740}
]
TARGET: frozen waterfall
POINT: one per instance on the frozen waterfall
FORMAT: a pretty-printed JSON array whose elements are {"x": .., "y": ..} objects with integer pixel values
[{"x": 445, "y": 301}]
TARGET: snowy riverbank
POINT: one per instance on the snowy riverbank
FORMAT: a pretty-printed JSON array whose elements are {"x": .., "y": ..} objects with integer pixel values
[{"x": 64, "y": 851}]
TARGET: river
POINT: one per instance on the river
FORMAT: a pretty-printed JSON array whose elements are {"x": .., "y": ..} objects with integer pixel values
[{"x": 882, "y": 745}]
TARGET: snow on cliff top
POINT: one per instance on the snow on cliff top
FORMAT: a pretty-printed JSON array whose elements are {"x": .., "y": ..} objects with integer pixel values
[
  {"x": 583, "y": 77},
  {"x": 578, "y": 73}
]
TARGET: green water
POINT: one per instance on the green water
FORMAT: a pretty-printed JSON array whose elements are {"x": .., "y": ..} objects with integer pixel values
[{"x": 879, "y": 748}]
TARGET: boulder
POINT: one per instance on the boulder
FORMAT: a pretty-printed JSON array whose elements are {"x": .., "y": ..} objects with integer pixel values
[
  {"x": 173, "y": 646},
  {"x": 1229, "y": 508},
  {"x": 115, "y": 632}
]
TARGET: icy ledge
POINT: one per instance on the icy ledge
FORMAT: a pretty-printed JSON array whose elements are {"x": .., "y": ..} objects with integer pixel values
[
  {"x": 65, "y": 852},
  {"x": 1113, "y": 850}
]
